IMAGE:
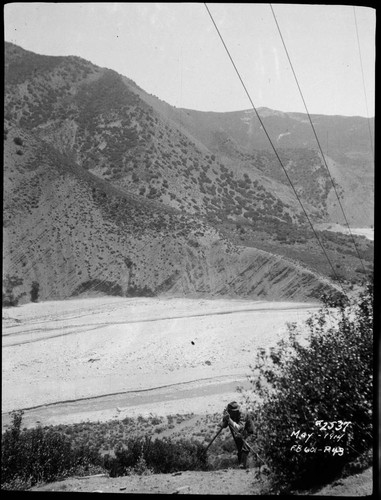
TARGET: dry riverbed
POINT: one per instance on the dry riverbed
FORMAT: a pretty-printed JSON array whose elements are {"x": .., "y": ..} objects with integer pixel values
[{"x": 107, "y": 357}]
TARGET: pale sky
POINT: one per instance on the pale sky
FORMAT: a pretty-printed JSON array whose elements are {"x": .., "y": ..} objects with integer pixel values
[{"x": 173, "y": 51}]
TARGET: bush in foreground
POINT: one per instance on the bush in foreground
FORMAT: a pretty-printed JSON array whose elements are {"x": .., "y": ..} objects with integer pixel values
[
  {"x": 139, "y": 455},
  {"x": 327, "y": 377},
  {"x": 39, "y": 455},
  {"x": 31, "y": 456}
]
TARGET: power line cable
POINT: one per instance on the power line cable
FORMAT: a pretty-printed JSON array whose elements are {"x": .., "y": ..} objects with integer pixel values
[
  {"x": 273, "y": 147},
  {"x": 317, "y": 139},
  {"x": 363, "y": 83}
]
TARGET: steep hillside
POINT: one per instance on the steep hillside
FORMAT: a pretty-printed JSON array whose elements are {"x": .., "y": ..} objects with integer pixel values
[
  {"x": 105, "y": 189},
  {"x": 345, "y": 141},
  {"x": 71, "y": 232},
  {"x": 99, "y": 119}
]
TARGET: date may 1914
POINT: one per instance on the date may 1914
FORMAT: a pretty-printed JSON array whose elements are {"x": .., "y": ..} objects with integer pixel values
[{"x": 327, "y": 437}]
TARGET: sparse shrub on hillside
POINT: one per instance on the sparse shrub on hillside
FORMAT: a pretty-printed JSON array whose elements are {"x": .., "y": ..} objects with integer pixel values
[
  {"x": 34, "y": 291},
  {"x": 155, "y": 421},
  {"x": 10, "y": 297},
  {"x": 18, "y": 141},
  {"x": 153, "y": 193},
  {"x": 327, "y": 378},
  {"x": 104, "y": 286}
]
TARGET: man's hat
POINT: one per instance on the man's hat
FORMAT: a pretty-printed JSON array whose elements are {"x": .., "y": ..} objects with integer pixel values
[{"x": 233, "y": 406}]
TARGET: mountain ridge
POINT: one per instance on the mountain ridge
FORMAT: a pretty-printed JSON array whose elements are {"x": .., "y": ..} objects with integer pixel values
[{"x": 102, "y": 127}]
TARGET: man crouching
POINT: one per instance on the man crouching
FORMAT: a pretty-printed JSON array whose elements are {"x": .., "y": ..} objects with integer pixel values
[{"x": 240, "y": 426}]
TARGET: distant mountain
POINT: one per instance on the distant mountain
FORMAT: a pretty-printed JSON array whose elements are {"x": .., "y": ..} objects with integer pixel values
[
  {"x": 107, "y": 188},
  {"x": 345, "y": 141}
]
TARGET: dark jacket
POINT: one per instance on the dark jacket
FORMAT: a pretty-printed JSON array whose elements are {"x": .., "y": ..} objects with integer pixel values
[{"x": 238, "y": 421}]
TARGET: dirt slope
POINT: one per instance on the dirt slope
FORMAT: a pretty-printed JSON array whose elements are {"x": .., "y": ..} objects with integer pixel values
[{"x": 221, "y": 482}]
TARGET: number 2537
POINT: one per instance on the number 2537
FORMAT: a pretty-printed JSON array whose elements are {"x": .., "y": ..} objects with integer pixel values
[{"x": 337, "y": 425}]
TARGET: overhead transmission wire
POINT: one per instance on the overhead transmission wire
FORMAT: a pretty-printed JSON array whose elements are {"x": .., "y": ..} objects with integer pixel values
[
  {"x": 317, "y": 139},
  {"x": 363, "y": 83},
  {"x": 275, "y": 151}
]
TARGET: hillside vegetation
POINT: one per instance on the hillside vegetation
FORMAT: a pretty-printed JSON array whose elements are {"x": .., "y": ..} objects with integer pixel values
[{"x": 105, "y": 190}]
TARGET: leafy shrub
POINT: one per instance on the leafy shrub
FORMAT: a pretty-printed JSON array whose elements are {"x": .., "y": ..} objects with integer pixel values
[
  {"x": 160, "y": 456},
  {"x": 30, "y": 456},
  {"x": 155, "y": 421},
  {"x": 18, "y": 141},
  {"x": 328, "y": 377},
  {"x": 10, "y": 298},
  {"x": 34, "y": 291}
]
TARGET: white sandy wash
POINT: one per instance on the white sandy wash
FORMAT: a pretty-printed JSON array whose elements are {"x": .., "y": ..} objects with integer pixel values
[
  {"x": 67, "y": 350},
  {"x": 368, "y": 232}
]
